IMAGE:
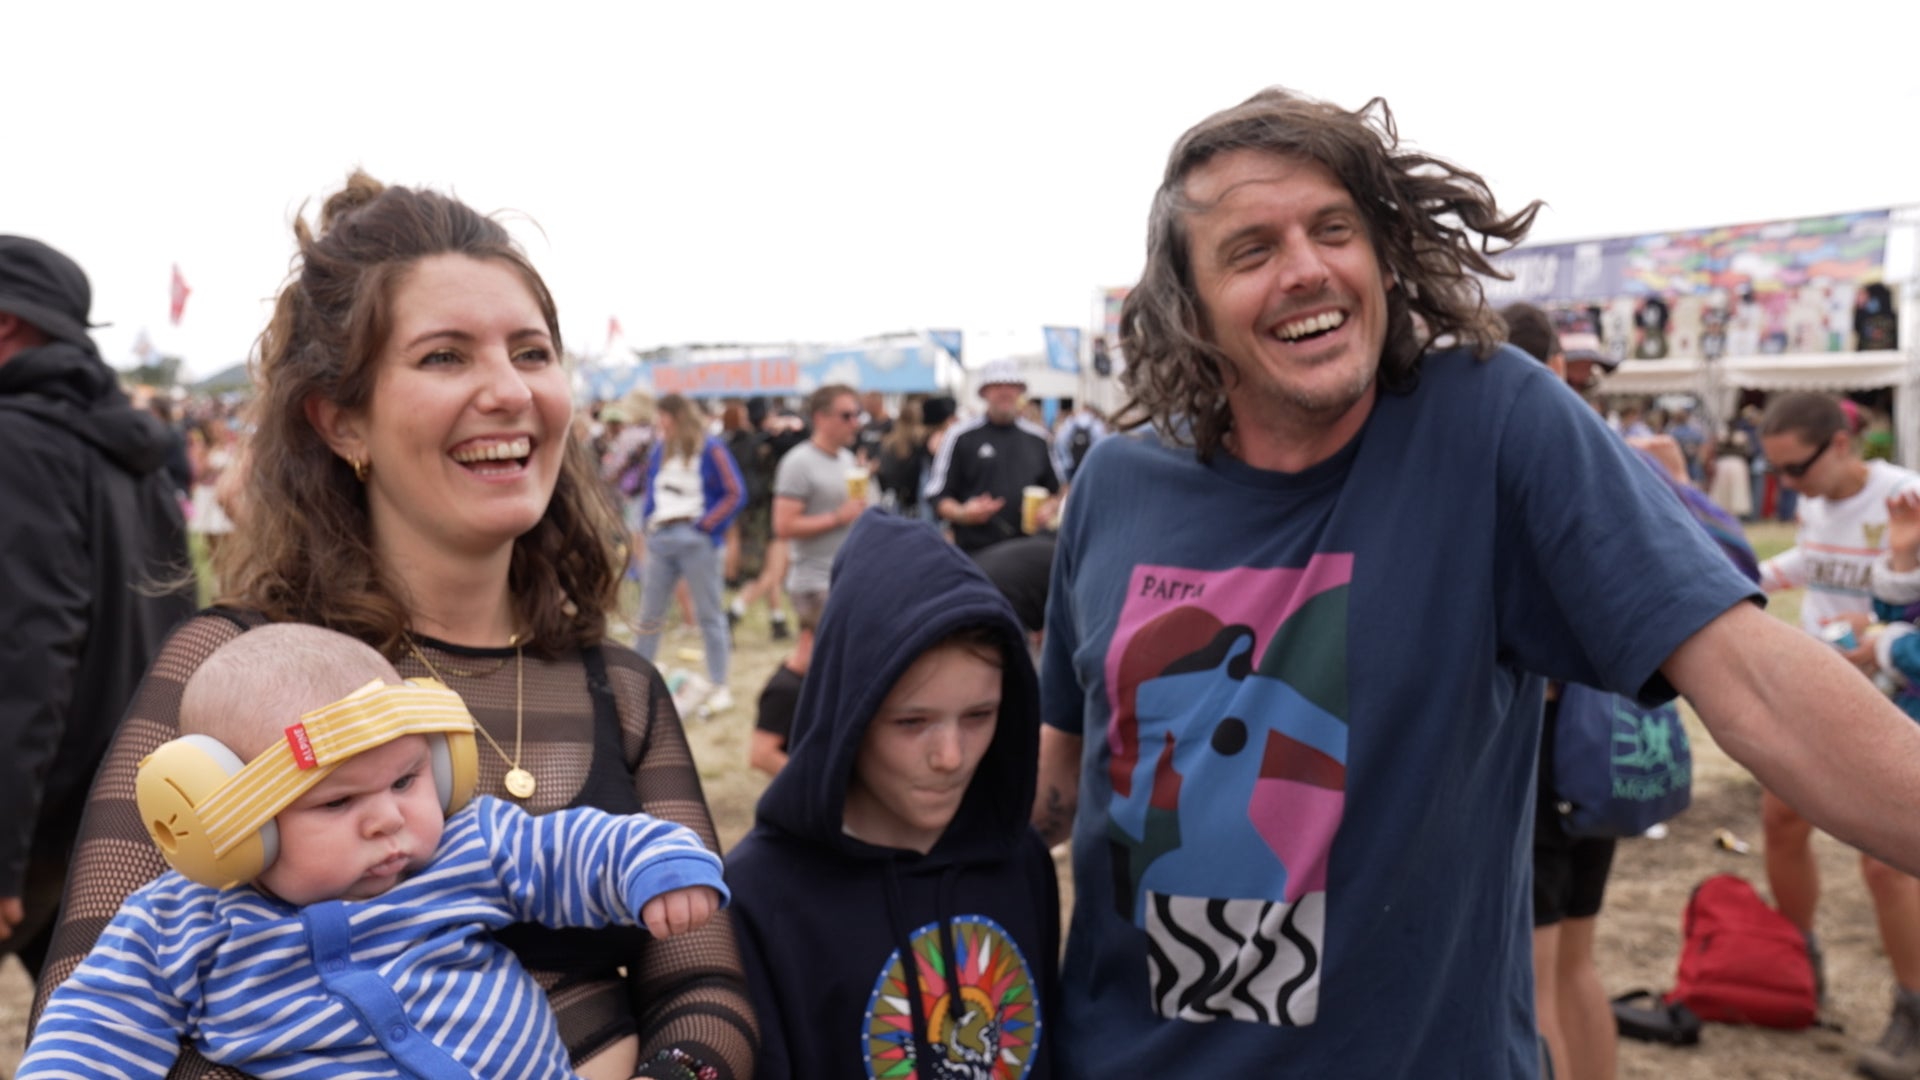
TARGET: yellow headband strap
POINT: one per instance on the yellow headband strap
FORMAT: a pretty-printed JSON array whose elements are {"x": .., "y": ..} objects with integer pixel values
[{"x": 374, "y": 715}]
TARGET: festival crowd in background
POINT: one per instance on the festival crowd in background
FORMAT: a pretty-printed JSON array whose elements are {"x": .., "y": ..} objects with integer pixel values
[{"x": 1295, "y": 745}]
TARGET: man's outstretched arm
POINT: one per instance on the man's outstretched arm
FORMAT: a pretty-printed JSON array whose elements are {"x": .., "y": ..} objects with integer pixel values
[{"x": 1809, "y": 726}]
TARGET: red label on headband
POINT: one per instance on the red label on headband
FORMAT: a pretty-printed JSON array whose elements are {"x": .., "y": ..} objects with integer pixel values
[{"x": 301, "y": 746}]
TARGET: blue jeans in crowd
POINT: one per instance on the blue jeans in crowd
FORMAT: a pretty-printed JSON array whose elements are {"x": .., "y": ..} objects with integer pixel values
[{"x": 681, "y": 551}]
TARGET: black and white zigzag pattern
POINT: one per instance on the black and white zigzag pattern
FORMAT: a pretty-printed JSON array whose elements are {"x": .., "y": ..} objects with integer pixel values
[{"x": 1256, "y": 961}]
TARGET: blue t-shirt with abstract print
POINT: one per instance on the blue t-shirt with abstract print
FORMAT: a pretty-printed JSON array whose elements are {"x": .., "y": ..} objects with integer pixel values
[{"x": 1311, "y": 707}]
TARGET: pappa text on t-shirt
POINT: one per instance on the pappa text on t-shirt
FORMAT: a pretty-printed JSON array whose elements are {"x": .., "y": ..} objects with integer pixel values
[{"x": 1160, "y": 588}]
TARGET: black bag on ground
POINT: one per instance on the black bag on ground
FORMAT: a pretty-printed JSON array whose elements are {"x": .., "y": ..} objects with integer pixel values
[{"x": 1641, "y": 1014}]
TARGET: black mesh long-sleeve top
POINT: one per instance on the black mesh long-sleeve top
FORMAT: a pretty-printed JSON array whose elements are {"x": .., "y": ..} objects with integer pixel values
[{"x": 600, "y": 730}]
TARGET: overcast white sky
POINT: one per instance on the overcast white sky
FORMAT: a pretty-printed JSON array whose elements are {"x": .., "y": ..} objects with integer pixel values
[{"x": 749, "y": 172}]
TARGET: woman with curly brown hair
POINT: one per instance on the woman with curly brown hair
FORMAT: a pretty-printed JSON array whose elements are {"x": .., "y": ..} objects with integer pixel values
[{"x": 412, "y": 483}]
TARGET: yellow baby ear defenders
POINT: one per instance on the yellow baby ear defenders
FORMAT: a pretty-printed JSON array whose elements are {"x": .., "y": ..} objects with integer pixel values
[
  {"x": 172, "y": 783},
  {"x": 212, "y": 816}
]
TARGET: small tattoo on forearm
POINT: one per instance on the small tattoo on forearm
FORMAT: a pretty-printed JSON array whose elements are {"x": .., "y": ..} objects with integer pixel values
[{"x": 1055, "y": 819}]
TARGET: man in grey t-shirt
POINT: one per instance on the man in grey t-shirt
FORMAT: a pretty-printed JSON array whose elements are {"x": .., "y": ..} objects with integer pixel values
[{"x": 813, "y": 508}]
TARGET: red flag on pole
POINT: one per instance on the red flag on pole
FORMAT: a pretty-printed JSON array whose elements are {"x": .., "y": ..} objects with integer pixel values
[
  {"x": 180, "y": 294},
  {"x": 613, "y": 329}
]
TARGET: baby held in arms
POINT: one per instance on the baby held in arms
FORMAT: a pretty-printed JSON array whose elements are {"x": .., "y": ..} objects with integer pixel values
[{"x": 335, "y": 886}]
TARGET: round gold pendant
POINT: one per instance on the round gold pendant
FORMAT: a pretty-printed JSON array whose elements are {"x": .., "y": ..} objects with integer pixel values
[{"x": 519, "y": 783}]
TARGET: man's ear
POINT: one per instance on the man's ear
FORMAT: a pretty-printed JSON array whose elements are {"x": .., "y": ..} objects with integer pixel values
[
  {"x": 16, "y": 334},
  {"x": 339, "y": 428}
]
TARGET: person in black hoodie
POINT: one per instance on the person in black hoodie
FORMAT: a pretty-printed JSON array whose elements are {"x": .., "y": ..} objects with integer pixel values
[
  {"x": 894, "y": 849},
  {"x": 93, "y": 573}
]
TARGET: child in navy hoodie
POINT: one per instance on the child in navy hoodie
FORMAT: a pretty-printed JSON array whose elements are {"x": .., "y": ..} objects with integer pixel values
[{"x": 893, "y": 851}]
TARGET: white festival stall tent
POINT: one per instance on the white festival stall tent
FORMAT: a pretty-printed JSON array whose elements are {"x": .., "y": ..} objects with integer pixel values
[{"x": 1719, "y": 383}]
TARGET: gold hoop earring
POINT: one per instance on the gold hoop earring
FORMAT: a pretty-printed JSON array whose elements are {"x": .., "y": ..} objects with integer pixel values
[{"x": 361, "y": 467}]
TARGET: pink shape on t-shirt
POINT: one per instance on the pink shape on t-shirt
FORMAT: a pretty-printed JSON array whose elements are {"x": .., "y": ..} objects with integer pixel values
[{"x": 1298, "y": 822}]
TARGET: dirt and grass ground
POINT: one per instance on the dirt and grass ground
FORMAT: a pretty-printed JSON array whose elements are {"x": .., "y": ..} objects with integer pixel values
[{"x": 1639, "y": 931}]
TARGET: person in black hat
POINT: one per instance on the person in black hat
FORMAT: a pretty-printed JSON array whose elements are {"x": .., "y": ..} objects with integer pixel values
[
  {"x": 938, "y": 414},
  {"x": 96, "y": 567},
  {"x": 46, "y": 291}
]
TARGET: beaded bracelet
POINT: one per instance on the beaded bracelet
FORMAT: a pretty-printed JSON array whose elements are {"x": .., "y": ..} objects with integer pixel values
[{"x": 674, "y": 1063}]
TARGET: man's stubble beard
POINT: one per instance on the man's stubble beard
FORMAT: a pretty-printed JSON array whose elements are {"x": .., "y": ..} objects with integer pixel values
[
  {"x": 1335, "y": 403},
  {"x": 1292, "y": 407}
]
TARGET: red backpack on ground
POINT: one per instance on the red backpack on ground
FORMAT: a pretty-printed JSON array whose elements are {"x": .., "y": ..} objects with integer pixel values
[{"x": 1742, "y": 962}]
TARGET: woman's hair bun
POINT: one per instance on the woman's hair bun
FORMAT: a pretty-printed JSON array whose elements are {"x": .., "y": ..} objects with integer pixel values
[{"x": 360, "y": 190}]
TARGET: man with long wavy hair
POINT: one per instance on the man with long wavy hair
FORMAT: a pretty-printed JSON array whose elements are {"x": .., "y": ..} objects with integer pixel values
[{"x": 1296, "y": 644}]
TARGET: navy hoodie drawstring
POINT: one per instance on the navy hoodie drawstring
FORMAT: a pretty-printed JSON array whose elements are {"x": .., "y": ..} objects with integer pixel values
[
  {"x": 910, "y": 967},
  {"x": 923, "y": 1042},
  {"x": 943, "y": 910}
]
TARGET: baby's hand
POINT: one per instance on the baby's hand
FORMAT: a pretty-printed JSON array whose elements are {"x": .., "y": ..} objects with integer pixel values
[{"x": 679, "y": 911}]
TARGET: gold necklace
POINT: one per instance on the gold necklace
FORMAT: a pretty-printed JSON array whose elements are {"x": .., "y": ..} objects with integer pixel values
[
  {"x": 471, "y": 673},
  {"x": 519, "y": 782}
]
